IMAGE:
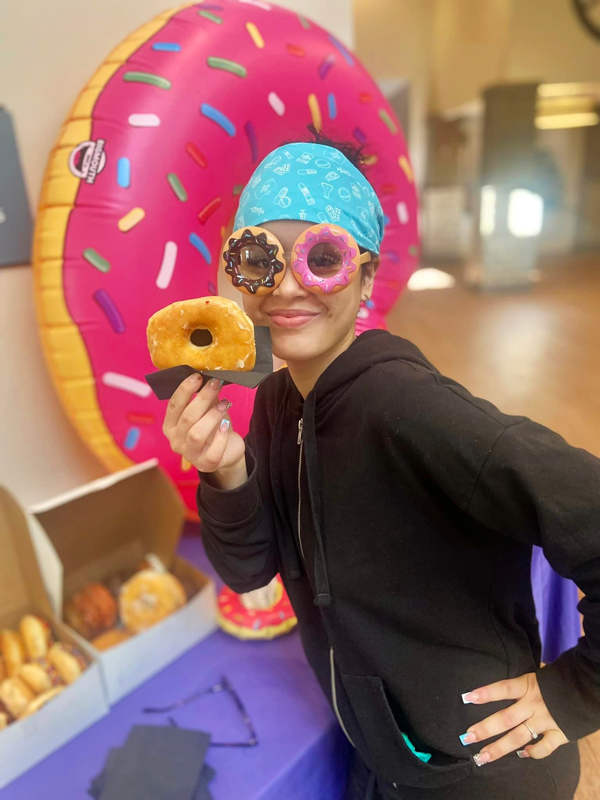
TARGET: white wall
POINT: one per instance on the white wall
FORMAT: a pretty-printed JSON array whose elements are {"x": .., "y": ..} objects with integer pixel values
[
  {"x": 394, "y": 41},
  {"x": 49, "y": 50}
]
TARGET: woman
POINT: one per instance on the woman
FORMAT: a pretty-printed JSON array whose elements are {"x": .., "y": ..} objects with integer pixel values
[{"x": 401, "y": 512}]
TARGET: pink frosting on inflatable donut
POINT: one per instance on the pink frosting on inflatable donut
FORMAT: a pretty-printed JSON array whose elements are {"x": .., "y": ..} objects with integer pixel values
[{"x": 183, "y": 123}]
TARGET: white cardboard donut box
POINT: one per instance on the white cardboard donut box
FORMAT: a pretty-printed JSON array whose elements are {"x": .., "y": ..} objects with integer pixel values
[
  {"x": 27, "y": 741},
  {"x": 109, "y": 524}
]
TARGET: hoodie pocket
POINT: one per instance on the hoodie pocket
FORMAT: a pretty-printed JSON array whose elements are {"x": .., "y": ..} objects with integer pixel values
[{"x": 366, "y": 711}]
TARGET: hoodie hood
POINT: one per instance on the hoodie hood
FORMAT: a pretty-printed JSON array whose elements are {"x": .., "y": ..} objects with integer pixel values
[{"x": 370, "y": 348}]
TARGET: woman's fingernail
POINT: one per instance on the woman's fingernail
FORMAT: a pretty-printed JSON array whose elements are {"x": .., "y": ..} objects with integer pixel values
[
  {"x": 482, "y": 758},
  {"x": 215, "y": 383},
  {"x": 224, "y": 405},
  {"x": 195, "y": 377},
  {"x": 224, "y": 426},
  {"x": 468, "y": 738},
  {"x": 522, "y": 753},
  {"x": 470, "y": 697}
]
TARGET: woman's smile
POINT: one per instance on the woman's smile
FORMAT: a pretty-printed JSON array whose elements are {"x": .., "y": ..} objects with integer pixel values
[{"x": 291, "y": 317}]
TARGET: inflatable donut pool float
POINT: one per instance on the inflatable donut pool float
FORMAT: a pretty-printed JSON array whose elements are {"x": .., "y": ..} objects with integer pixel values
[
  {"x": 143, "y": 184},
  {"x": 246, "y": 623}
]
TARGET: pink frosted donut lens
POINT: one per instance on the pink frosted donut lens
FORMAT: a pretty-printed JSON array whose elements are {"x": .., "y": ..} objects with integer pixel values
[{"x": 326, "y": 259}]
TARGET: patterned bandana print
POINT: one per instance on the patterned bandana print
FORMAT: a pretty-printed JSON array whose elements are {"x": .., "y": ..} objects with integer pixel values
[{"x": 314, "y": 183}]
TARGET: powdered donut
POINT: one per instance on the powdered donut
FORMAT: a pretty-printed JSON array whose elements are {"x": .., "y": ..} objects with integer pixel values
[
  {"x": 148, "y": 598},
  {"x": 232, "y": 347}
]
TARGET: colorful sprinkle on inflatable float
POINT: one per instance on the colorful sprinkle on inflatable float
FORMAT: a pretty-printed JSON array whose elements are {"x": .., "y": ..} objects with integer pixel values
[{"x": 143, "y": 183}]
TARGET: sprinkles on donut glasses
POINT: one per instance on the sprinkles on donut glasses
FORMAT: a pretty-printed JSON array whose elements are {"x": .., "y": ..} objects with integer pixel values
[{"x": 325, "y": 258}]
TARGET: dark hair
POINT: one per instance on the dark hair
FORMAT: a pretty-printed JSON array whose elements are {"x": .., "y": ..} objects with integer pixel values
[{"x": 353, "y": 152}]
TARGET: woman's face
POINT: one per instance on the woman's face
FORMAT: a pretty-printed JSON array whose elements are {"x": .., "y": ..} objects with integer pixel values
[{"x": 321, "y": 323}]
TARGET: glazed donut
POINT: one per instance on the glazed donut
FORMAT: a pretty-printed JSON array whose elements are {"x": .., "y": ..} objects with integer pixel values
[
  {"x": 148, "y": 598},
  {"x": 144, "y": 181},
  {"x": 91, "y": 611},
  {"x": 41, "y": 700},
  {"x": 16, "y": 696},
  {"x": 68, "y": 661},
  {"x": 111, "y": 639},
  {"x": 36, "y": 635},
  {"x": 13, "y": 651},
  {"x": 40, "y": 675},
  {"x": 170, "y": 335}
]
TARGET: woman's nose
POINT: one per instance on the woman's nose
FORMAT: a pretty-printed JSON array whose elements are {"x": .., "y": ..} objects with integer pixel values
[{"x": 289, "y": 285}]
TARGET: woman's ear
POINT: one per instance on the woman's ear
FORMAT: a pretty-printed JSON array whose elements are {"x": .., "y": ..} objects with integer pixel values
[{"x": 368, "y": 277}]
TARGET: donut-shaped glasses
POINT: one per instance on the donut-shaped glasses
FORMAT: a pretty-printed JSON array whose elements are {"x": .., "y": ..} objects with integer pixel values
[{"x": 325, "y": 258}]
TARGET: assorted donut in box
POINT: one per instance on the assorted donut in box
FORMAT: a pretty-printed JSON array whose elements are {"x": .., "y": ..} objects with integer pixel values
[
  {"x": 127, "y": 602},
  {"x": 34, "y": 668},
  {"x": 50, "y": 683},
  {"x": 120, "y": 586}
]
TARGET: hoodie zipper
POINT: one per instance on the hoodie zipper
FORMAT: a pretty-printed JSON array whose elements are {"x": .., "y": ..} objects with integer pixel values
[
  {"x": 334, "y": 698},
  {"x": 300, "y": 442}
]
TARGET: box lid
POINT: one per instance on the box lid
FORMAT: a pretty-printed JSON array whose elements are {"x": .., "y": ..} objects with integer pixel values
[
  {"x": 111, "y": 523},
  {"x": 21, "y": 583}
]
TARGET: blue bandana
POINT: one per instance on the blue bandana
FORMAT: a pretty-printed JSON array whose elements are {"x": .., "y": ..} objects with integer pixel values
[{"x": 316, "y": 183}]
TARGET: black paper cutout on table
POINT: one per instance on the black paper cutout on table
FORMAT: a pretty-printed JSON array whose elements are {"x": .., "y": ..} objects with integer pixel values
[{"x": 155, "y": 763}]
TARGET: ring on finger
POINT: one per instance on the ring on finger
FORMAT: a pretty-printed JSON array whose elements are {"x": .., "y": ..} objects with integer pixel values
[{"x": 534, "y": 735}]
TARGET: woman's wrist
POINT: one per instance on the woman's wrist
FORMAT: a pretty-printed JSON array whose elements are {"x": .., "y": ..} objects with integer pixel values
[{"x": 231, "y": 477}]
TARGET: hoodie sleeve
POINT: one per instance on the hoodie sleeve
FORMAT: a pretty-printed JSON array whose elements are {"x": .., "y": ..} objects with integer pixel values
[
  {"x": 237, "y": 529},
  {"x": 535, "y": 487},
  {"x": 523, "y": 481}
]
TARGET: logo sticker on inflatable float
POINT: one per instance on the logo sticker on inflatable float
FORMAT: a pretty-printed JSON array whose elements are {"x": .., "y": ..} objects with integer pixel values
[
  {"x": 87, "y": 160},
  {"x": 144, "y": 182}
]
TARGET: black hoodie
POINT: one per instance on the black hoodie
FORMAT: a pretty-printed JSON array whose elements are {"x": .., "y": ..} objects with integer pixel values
[{"x": 418, "y": 505}]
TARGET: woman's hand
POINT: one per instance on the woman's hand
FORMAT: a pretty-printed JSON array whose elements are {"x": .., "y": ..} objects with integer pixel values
[
  {"x": 200, "y": 430},
  {"x": 525, "y": 720}
]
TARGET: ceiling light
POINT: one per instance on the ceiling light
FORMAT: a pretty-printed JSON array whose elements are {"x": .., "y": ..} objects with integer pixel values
[{"x": 559, "y": 121}]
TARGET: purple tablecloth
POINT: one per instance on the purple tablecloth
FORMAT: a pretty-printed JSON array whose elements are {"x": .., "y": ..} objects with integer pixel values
[
  {"x": 556, "y": 606},
  {"x": 302, "y": 753}
]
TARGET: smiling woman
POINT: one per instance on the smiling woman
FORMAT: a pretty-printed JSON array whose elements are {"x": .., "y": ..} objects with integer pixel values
[{"x": 400, "y": 511}]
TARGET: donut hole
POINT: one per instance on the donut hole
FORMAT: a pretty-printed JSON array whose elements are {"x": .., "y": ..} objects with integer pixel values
[{"x": 201, "y": 337}]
